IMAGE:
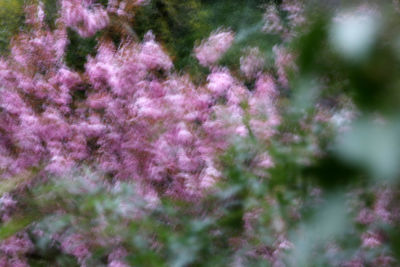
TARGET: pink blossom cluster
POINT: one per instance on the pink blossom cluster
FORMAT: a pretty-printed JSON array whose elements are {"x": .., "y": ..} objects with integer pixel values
[
  {"x": 285, "y": 27},
  {"x": 84, "y": 16},
  {"x": 252, "y": 63},
  {"x": 381, "y": 209},
  {"x": 75, "y": 244},
  {"x": 273, "y": 23},
  {"x": 284, "y": 61},
  {"x": 115, "y": 257},
  {"x": 295, "y": 10},
  {"x": 7, "y": 205},
  {"x": 35, "y": 14},
  {"x": 211, "y": 49},
  {"x": 12, "y": 250}
]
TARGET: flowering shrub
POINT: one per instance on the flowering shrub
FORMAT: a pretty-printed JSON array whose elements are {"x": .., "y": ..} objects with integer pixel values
[
  {"x": 128, "y": 113},
  {"x": 237, "y": 172}
]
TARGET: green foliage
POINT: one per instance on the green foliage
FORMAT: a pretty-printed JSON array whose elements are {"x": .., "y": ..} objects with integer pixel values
[
  {"x": 176, "y": 24},
  {"x": 51, "y": 8},
  {"x": 245, "y": 19},
  {"x": 79, "y": 49},
  {"x": 12, "y": 18}
]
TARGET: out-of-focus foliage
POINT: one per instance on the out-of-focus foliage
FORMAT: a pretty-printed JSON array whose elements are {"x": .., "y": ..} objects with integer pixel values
[{"x": 78, "y": 50}]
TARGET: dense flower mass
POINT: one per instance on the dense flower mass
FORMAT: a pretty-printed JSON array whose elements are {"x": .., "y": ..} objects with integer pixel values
[
  {"x": 128, "y": 114},
  {"x": 137, "y": 120}
]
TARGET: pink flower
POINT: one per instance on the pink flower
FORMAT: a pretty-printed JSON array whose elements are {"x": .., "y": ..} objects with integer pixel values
[
  {"x": 209, "y": 176},
  {"x": 265, "y": 161},
  {"x": 273, "y": 23},
  {"x": 152, "y": 56},
  {"x": 83, "y": 16},
  {"x": 295, "y": 12},
  {"x": 283, "y": 62},
  {"x": 116, "y": 257},
  {"x": 371, "y": 240},
  {"x": 184, "y": 136},
  {"x": 11, "y": 102},
  {"x": 219, "y": 81},
  {"x": 75, "y": 245},
  {"x": 65, "y": 78},
  {"x": 252, "y": 63},
  {"x": 211, "y": 50},
  {"x": 17, "y": 244}
]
